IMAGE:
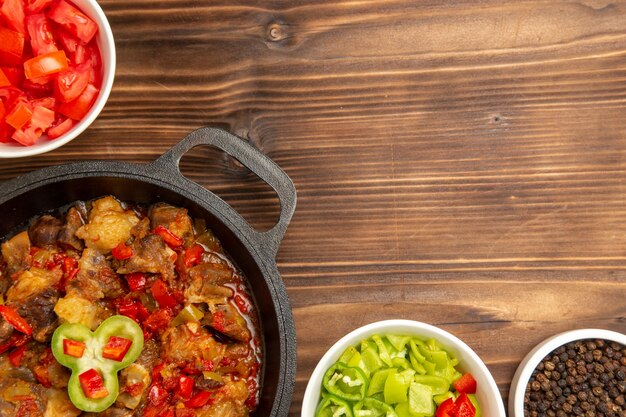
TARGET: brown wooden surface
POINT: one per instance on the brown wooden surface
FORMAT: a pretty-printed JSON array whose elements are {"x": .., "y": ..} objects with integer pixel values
[{"x": 458, "y": 163}]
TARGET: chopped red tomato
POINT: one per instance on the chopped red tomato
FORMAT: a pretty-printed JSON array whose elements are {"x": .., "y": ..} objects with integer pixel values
[
  {"x": 157, "y": 395},
  {"x": 41, "y": 38},
  {"x": 122, "y": 251},
  {"x": 72, "y": 82},
  {"x": 92, "y": 384},
  {"x": 47, "y": 102},
  {"x": 185, "y": 387},
  {"x": 60, "y": 128},
  {"x": 42, "y": 65},
  {"x": 162, "y": 295},
  {"x": 77, "y": 109},
  {"x": 11, "y": 46},
  {"x": 14, "y": 319},
  {"x": 36, "y": 6},
  {"x": 16, "y": 356},
  {"x": 19, "y": 115},
  {"x": 466, "y": 384},
  {"x": 136, "y": 281},
  {"x": 193, "y": 255},
  {"x": 13, "y": 13},
  {"x": 4, "y": 80},
  {"x": 14, "y": 74},
  {"x": 200, "y": 399},
  {"x": 68, "y": 42},
  {"x": 73, "y": 348},
  {"x": 73, "y": 20},
  {"x": 168, "y": 237}
]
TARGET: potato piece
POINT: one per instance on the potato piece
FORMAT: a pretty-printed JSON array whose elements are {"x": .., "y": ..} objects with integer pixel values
[
  {"x": 32, "y": 282},
  {"x": 133, "y": 375},
  {"x": 59, "y": 405},
  {"x": 109, "y": 224},
  {"x": 74, "y": 309}
]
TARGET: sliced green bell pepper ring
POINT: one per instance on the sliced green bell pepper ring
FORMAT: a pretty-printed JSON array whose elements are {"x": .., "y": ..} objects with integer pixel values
[
  {"x": 370, "y": 407},
  {"x": 345, "y": 382},
  {"x": 103, "y": 356},
  {"x": 331, "y": 406}
]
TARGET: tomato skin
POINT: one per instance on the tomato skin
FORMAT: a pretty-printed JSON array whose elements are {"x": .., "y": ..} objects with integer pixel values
[
  {"x": 4, "y": 80},
  {"x": 36, "y": 6},
  {"x": 14, "y": 15},
  {"x": 11, "y": 46},
  {"x": 72, "y": 82},
  {"x": 47, "y": 64},
  {"x": 41, "y": 39},
  {"x": 60, "y": 128},
  {"x": 77, "y": 109},
  {"x": 73, "y": 20}
]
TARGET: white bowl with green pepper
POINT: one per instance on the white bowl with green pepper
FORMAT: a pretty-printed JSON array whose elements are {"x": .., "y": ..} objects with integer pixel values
[{"x": 401, "y": 368}]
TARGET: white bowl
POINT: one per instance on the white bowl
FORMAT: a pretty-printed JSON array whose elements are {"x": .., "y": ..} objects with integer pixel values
[
  {"x": 487, "y": 392},
  {"x": 104, "y": 39},
  {"x": 535, "y": 356}
]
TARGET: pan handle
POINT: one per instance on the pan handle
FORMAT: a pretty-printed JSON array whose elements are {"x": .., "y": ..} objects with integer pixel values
[{"x": 254, "y": 160}]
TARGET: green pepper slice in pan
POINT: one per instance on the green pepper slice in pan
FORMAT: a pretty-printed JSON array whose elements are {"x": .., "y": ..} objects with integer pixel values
[
  {"x": 95, "y": 358},
  {"x": 331, "y": 406},
  {"x": 345, "y": 382}
]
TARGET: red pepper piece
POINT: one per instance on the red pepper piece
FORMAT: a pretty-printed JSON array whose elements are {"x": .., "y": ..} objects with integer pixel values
[
  {"x": 445, "y": 409},
  {"x": 157, "y": 395},
  {"x": 168, "y": 237},
  {"x": 193, "y": 255},
  {"x": 16, "y": 356},
  {"x": 73, "y": 348},
  {"x": 92, "y": 384},
  {"x": 16, "y": 339},
  {"x": 122, "y": 251},
  {"x": 162, "y": 295},
  {"x": 116, "y": 348},
  {"x": 463, "y": 407},
  {"x": 200, "y": 399},
  {"x": 466, "y": 384},
  {"x": 158, "y": 320},
  {"x": 136, "y": 281},
  {"x": 15, "y": 320},
  {"x": 185, "y": 387}
]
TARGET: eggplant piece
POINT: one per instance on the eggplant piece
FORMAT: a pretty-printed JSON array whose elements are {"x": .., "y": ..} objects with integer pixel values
[
  {"x": 44, "y": 231},
  {"x": 74, "y": 220},
  {"x": 226, "y": 319},
  {"x": 16, "y": 253},
  {"x": 38, "y": 311}
]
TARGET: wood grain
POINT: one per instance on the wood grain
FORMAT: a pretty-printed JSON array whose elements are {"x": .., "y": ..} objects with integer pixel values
[{"x": 459, "y": 163}]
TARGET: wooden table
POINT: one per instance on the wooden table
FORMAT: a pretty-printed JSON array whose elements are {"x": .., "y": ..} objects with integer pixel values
[{"x": 457, "y": 163}]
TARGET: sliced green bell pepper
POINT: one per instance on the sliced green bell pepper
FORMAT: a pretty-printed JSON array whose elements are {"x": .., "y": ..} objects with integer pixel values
[
  {"x": 331, "y": 406},
  {"x": 91, "y": 368},
  {"x": 396, "y": 387},
  {"x": 346, "y": 382},
  {"x": 421, "y": 399},
  {"x": 370, "y": 407}
]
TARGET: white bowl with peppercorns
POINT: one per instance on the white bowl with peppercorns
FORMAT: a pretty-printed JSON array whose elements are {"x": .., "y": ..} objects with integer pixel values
[{"x": 576, "y": 373}]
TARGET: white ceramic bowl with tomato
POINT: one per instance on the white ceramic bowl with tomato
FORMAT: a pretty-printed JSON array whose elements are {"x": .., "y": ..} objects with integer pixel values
[
  {"x": 487, "y": 392},
  {"x": 104, "y": 40},
  {"x": 535, "y": 357}
]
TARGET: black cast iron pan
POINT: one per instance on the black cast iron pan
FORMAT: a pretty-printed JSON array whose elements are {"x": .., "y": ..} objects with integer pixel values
[{"x": 50, "y": 188}]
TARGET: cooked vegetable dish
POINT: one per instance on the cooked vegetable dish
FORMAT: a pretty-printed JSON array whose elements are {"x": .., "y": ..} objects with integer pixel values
[{"x": 133, "y": 310}]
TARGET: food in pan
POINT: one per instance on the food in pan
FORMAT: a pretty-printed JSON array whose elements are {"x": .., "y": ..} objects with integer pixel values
[
  {"x": 397, "y": 376},
  {"x": 133, "y": 310},
  {"x": 50, "y": 69}
]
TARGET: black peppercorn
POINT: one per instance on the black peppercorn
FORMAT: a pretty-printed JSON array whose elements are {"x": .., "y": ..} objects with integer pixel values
[{"x": 585, "y": 378}]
